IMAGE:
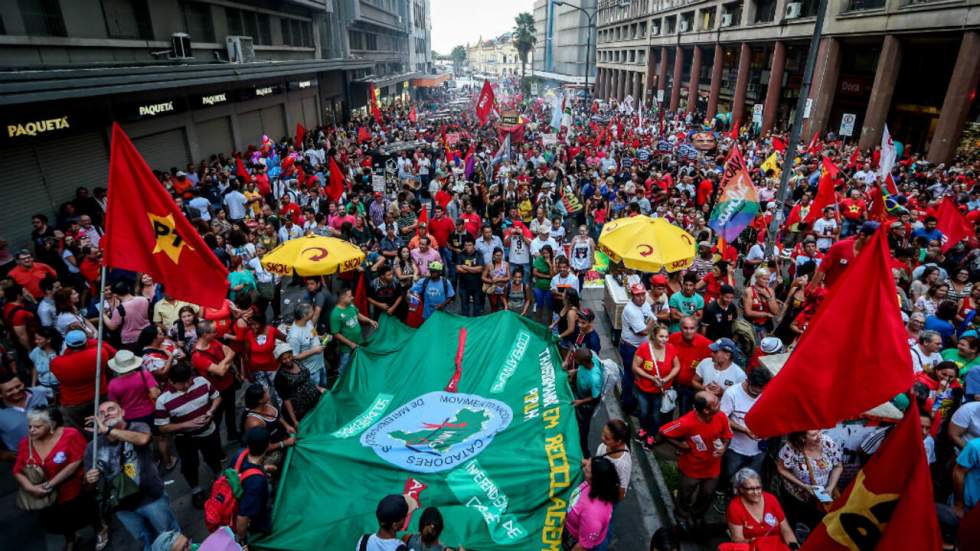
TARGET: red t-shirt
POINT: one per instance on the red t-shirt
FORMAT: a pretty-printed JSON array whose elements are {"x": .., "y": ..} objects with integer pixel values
[
  {"x": 853, "y": 209},
  {"x": 75, "y": 371},
  {"x": 31, "y": 279},
  {"x": 15, "y": 315},
  {"x": 699, "y": 461},
  {"x": 261, "y": 348},
  {"x": 441, "y": 229},
  {"x": 67, "y": 450},
  {"x": 293, "y": 211},
  {"x": 665, "y": 367},
  {"x": 704, "y": 191},
  {"x": 839, "y": 256},
  {"x": 203, "y": 359},
  {"x": 768, "y": 525},
  {"x": 690, "y": 355}
]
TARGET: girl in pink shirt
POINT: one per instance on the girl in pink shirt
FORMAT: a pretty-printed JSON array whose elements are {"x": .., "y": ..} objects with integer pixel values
[{"x": 591, "y": 506}]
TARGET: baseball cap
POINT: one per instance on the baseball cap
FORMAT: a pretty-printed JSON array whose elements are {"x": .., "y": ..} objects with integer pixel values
[
  {"x": 637, "y": 289},
  {"x": 378, "y": 194},
  {"x": 435, "y": 265},
  {"x": 75, "y": 338},
  {"x": 392, "y": 508},
  {"x": 724, "y": 343},
  {"x": 658, "y": 280},
  {"x": 869, "y": 228}
]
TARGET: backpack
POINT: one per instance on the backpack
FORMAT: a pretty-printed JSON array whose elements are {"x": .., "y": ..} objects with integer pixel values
[
  {"x": 744, "y": 336},
  {"x": 362, "y": 544},
  {"x": 612, "y": 374},
  {"x": 222, "y": 505}
]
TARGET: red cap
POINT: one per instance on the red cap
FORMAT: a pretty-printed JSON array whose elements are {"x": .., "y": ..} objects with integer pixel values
[
  {"x": 658, "y": 280},
  {"x": 638, "y": 289}
]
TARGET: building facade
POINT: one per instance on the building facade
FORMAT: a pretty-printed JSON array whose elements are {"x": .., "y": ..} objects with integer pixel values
[
  {"x": 496, "y": 56},
  {"x": 910, "y": 64},
  {"x": 562, "y": 32}
]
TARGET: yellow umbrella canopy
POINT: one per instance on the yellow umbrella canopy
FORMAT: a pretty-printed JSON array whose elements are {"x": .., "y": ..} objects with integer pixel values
[
  {"x": 313, "y": 255},
  {"x": 647, "y": 244}
]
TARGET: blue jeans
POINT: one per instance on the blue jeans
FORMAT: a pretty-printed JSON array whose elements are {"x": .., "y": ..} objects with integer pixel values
[
  {"x": 449, "y": 263},
  {"x": 319, "y": 377},
  {"x": 850, "y": 227},
  {"x": 685, "y": 398},
  {"x": 627, "y": 397},
  {"x": 649, "y": 411},
  {"x": 343, "y": 362},
  {"x": 466, "y": 294},
  {"x": 148, "y": 521}
]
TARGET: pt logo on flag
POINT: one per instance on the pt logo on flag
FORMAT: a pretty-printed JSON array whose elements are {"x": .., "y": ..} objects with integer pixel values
[
  {"x": 167, "y": 239},
  {"x": 437, "y": 431},
  {"x": 859, "y": 524}
]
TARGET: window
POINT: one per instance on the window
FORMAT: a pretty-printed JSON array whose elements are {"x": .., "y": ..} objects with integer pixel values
[
  {"x": 858, "y": 5},
  {"x": 127, "y": 19},
  {"x": 198, "y": 22},
  {"x": 765, "y": 11},
  {"x": 42, "y": 17},
  {"x": 356, "y": 40}
]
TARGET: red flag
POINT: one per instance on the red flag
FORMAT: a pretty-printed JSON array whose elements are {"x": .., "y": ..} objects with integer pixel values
[
  {"x": 889, "y": 504},
  {"x": 300, "y": 134},
  {"x": 778, "y": 144},
  {"x": 146, "y": 232},
  {"x": 375, "y": 110},
  {"x": 412, "y": 116},
  {"x": 826, "y": 195},
  {"x": 360, "y": 294},
  {"x": 812, "y": 147},
  {"x": 734, "y": 132},
  {"x": 877, "y": 210},
  {"x": 855, "y": 157},
  {"x": 890, "y": 184},
  {"x": 874, "y": 367},
  {"x": 952, "y": 223},
  {"x": 335, "y": 184},
  {"x": 240, "y": 171},
  {"x": 363, "y": 134},
  {"x": 485, "y": 103}
]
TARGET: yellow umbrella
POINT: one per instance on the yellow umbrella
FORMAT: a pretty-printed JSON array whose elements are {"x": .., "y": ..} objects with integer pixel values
[
  {"x": 313, "y": 255},
  {"x": 647, "y": 244}
]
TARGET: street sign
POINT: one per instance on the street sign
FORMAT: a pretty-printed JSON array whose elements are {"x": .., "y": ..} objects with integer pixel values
[
  {"x": 757, "y": 113},
  {"x": 847, "y": 124},
  {"x": 660, "y": 95},
  {"x": 534, "y": 88},
  {"x": 807, "y": 107}
]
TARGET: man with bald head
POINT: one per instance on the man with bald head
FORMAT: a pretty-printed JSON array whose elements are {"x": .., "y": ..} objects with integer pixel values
[
  {"x": 701, "y": 437},
  {"x": 124, "y": 451}
]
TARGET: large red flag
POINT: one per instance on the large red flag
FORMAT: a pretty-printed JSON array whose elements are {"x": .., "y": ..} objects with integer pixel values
[
  {"x": 300, "y": 134},
  {"x": 734, "y": 133},
  {"x": 863, "y": 349},
  {"x": 778, "y": 144},
  {"x": 363, "y": 134},
  {"x": 485, "y": 103},
  {"x": 146, "y": 232},
  {"x": 889, "y": 504},
  {"x": 335, "y": 184},
  {"x": 952, "y": 223},
  {"x": 375, "y": 109},
  {"x": 240, "y": 171},
  {"x": 813, "y": 146},
  {"x": 826, "y": 195}
]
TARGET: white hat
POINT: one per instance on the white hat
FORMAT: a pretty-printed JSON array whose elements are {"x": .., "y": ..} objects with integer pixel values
[
  {"x": 281, "y": 348},
  {"x": 125, "y": 361}
]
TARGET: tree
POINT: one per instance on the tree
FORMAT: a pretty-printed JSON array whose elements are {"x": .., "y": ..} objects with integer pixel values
[
  {"x": 524, "y": 38},
  {"x": 459, "y": 56}
]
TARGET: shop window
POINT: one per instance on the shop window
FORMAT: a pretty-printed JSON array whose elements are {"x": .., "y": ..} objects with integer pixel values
[
  {"x": 42, "y": 17},
  {"x": 127, "y": 19},
  {"x": 198, "y": 22}
]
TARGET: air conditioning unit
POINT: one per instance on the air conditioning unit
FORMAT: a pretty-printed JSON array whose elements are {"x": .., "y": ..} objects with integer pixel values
[
  {"x": 793, "y": 10},
  {"x": 682, "y": 27},
  {"x": 726, "y": 20},
  {"x": 654, "y": 30},
  {"x": 180, "y": 46},
  {"x": 240, "y": 49}
]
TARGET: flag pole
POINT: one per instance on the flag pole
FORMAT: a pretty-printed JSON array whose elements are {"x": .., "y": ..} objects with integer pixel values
[{"x": 98, "y": 366}]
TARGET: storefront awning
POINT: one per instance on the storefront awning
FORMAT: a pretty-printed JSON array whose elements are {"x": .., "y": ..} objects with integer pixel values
[{"x": 433, "y": 81}]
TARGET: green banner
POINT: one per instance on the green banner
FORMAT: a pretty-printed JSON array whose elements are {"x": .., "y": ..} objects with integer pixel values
[{"x": 494, "y": 445}]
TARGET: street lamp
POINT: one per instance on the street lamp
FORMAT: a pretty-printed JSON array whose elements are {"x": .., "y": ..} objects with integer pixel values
[{"x": 588, "y": 40}]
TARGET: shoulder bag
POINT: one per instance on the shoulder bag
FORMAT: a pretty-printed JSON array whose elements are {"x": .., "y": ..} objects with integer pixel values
[
  {"x": 669, "y": 400},
  {"x": 27, "y": 501}
]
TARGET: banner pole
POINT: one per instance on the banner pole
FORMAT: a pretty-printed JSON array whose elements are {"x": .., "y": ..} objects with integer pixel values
[{"x": 98, "y": 365}]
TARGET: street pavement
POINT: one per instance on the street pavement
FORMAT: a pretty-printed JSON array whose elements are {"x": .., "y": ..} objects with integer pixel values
[{"x": 636, "y": 519}]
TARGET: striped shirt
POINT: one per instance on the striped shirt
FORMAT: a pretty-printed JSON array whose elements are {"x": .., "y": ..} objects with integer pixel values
[{"x": 175, "y": 406}]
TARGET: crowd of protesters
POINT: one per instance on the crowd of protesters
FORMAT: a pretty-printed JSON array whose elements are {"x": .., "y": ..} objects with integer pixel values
[{"x": 476, "y": 227}]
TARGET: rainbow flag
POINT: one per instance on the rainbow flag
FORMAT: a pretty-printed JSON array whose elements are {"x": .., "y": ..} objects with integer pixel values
[{"x": 739, "y": 201}]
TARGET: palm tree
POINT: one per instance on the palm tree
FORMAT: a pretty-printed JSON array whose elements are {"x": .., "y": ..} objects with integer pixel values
[
  {"x": 524, "y": 38},
  {"x": 459, "y": 56}
]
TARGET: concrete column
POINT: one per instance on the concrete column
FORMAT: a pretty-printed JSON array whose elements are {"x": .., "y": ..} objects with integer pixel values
[
  {"x": 599, "y": 73},
  {"x": 956, "y": 105},
  {"x": 662, "y": 70},
  {"x": 651, "y": 75},
  {"x": 675, "y": 86},
  {"x": 775, "y": 87},
  {"x": 824, "y": 86},
  {"x": 692, "y": 87},
  {"x": 741, "y": 82},
  {"x": 638, "y": 87},
  {"x": 716, "y": 68},
  {"x": 889, "y": 63},
  {"x": 621, "y": 85}
]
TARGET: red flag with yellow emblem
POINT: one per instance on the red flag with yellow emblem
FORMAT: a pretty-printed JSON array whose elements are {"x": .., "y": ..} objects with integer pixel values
[
  {"x": 146, "y": 232},
  {"x": 889, "y": 504}
]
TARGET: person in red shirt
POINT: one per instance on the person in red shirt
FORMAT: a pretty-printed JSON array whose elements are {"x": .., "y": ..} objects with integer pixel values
[
  {"x": 28, "y": 274},
  {"x": 701, "y": 437},
  {"x": 260, "y": 342},
  {"x": 291, "y": 210},
  {"x": 654, "y": 368},
  {"x": 20, "y": 321},
  {"x": 214, "y": 361},
  {"x": 841, "y": 254},
  {"x": 75, "y": 371},
  {"x": 854, "y": 209},
  {"x": 472, "y": 220},
  {"x": 441, "y": 227},
  {"x": 755, "y": 514},
  {"x": 691, "y": 347},
  {"x": 705, "y": 189}
]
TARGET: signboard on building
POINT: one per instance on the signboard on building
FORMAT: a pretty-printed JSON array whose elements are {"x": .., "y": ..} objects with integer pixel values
[
  {"x": 260, "y": 91},
  {"x": 202, "y": 101},
  {"x": 757, "y": 113},
  {"x": 303, "y": 84},
  {"x": 847, "y": 124},
  {"x": 807, "y": 108},
  {"x": 149, "y": 109},
  {"x": 660, "y": 95}
]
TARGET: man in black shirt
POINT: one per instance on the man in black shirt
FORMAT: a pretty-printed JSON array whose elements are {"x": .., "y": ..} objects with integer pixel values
[
  {"x": 385, "y": 293},
  {"x": 253, "y": 507},
  {"x": 720, "y": 314},
  {"x": 323, "y": 302},
  {"x": 469, "y": 266}
]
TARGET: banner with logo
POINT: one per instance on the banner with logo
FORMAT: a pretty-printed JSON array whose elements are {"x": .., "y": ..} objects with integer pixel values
[{"x": 470, "y": 415}]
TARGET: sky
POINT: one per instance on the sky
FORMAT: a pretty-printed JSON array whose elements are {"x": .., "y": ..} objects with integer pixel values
[{"x": 456, "y": 22}]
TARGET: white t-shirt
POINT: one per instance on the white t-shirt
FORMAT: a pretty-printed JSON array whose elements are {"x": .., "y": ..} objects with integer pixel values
[
  {"x": 635, "y": 319},
  {"x": 235, "y": 203},
  {"x": 921, "y": 360},
  {"x": 377, "y": 544},
  {"x": 203, "y": 206},
  {"x": 756, "y": 252},
  {"x": 559, "y": 283},
  {"x": 623, "y": 465},
  {"x": 736, "y": 403},
  {"x": 968, "y": 416},
  {"x": 825, "y": 232},
  {"x": 519, "y": 252},
  {"x": 537, "y": 244},
  {"x": 725, "y": 379}
]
